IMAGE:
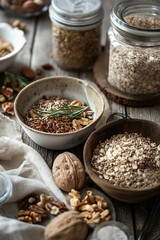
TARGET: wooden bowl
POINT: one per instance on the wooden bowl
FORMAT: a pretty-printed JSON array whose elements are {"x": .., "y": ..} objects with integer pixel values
[{"x": 147, "y": 129}]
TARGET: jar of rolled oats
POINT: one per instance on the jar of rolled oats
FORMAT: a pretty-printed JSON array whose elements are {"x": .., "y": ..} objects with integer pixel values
[
  {"x": 76, "y": 32},
  {"x": 134, "y": 52}
]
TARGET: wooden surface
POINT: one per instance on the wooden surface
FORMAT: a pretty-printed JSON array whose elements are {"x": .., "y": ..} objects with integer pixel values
[{"x": 37, "y": 52}]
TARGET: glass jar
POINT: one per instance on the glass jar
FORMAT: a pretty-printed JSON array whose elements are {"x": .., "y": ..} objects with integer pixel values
[
  {"x": 76, "y": 32},
  {"x": 5, "y": 188},
  {"x": 25, "y": 8},
  {"x": 112, "y": 230},
  {"x": 134, "y": 52}
]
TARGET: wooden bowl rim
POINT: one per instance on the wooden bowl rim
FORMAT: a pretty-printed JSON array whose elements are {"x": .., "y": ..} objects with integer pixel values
[{"x": 104, "y": 181}]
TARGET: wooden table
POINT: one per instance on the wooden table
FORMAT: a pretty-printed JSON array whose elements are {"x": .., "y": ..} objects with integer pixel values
[{"x": 35, "y": 54}]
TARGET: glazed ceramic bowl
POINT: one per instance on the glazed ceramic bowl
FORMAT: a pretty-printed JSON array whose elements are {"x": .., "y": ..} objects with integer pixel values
[
  {"x": 16, "y": 38},
  {"x": 147, "y": 129},
  {"x": 66, "y": 87}
]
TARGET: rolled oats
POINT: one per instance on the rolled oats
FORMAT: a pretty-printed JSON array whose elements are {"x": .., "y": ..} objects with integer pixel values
[
  {"x": 143, "y": 21},
  {"x": 133, "y": 69},
  {"x": 127, "y": 160},
  {"x": 134, "y": 53}
]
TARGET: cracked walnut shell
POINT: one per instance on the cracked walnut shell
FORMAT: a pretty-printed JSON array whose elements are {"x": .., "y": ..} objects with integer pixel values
[
  {"x": 69, "y": 225},
  {"x": 68, "y": 172}
]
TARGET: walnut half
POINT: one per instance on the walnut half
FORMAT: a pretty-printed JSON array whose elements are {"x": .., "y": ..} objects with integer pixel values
[{"x": 29, "y": 216}]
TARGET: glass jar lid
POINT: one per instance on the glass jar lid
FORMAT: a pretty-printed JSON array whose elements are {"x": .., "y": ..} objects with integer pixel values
[
  {"x": 138, "y": 19},
  {"x": 76, "y": 12},
  {"x": 5, "y": 188}
]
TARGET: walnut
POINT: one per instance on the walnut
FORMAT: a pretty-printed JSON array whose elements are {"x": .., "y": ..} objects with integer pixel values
[
  {"x": 8, "y": 107},
  {"x": 75, "y": 194},
  {"x": 2, "y": 98},
  {"x": 29, "y": 216},
  {"x": 7, "y": 92},
  {"x": 68, "y": 172},
  {"x": 85, "y": 121},
  {"x": 56, "y": 207},
  {"x": 44, "y": 198},
  {"x": 77, "y": 126},
  {"x": 93, "y": 208},
  {"x": 27, "y": 201},
  {"x": 69, "y": 225},
  {"x": 77, "y": 103},
  {"x": 38, "y": 210}
]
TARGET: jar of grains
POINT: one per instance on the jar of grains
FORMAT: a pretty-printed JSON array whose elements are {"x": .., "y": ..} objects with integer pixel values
[
  {"x": 76, "y": 32},
  {"x": 134, "y": 53}
]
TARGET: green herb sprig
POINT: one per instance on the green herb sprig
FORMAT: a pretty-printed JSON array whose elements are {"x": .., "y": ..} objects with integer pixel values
[
  {"x": 17, "y": 80},
  {"x": 65, "y": 112}
]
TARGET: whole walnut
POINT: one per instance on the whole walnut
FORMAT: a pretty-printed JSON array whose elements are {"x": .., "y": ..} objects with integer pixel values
[
  {"x": 68, "y": 172},
  {"x": 67, "y": 226}
]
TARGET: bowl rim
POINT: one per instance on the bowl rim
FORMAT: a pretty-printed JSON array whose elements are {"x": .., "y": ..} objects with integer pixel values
[
  {"x": 107, "y": 183},
  {"x": 84, "y": 82},
  {"x": 6, "y": 27}
]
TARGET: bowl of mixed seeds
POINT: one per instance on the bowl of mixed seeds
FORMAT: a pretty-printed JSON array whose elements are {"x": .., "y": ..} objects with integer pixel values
[
  {"x": 58, "y": 112},
  {"x": 123, "y": 158}
]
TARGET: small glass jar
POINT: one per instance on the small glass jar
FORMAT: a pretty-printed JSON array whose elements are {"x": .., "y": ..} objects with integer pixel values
[
  {"x": 5, "y": 188},
  {"x": 134, "y": 52},
  {"x": 112, "y": 230},
  {"x": 25, "y": 8},
  {"x": 76, "y": 32}
]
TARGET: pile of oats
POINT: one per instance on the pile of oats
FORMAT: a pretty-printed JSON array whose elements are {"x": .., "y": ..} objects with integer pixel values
[
  {"x": 128, "y": 160},
  {"x": 143, "y": 21}
]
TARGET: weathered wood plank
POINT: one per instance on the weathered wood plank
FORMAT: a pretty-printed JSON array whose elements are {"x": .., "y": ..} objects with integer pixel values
[
  {"x": 148, "y": 113},
  {"x": 107, "y": 6},
  {"x": 142, "y": 211}
]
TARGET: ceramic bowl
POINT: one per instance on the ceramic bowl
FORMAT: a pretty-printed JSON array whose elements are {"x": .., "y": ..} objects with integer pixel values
[
  {"x": 16, "y": 38},
  {"x": 66, "y": 87},
  {"x": 147, "y": 129},
  {"x": 105, "y": 229}
]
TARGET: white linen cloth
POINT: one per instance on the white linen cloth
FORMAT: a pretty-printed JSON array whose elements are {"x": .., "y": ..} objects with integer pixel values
[{"x": 29, "y": 173}]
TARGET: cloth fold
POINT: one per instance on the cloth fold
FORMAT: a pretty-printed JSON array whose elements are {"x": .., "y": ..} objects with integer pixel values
[
  {"x": 9, "y": 128},
  {"x": 29, "y": 173}
]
